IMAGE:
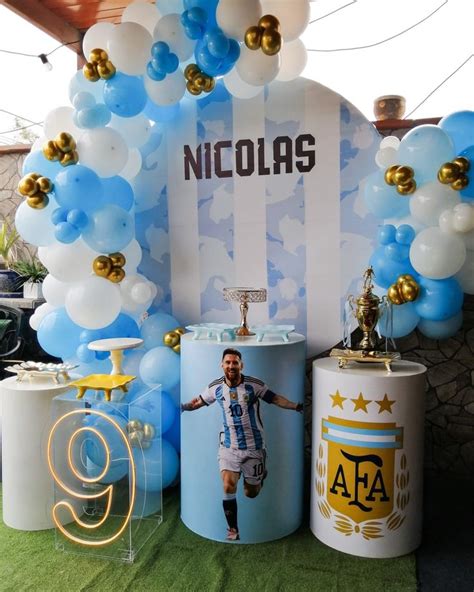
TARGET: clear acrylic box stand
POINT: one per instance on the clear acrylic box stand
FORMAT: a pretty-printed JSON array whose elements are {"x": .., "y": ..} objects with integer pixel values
[{"x": 105, "y": 459}]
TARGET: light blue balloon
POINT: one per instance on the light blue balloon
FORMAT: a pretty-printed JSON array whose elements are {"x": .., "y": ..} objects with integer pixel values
[
  {"x": 118, "y": 191},
  {"x": 404, "y": 320},
  {"x": 93, "y": 117},
  {"x": 155, "y": 408},
  {"x": 154, "y": 328},
  {"x": 161, "y": 114},
  {"x": 382, "y": 200},
  {"x": 35, "y": 226},
  {"x": 439, "y": 299},
  {"x": 152, "y": 472},
  {"x": 117, "y": 469},
  {"x": 208, "y": 5},
  {"x": 441, "y": 329},
  {"x": 110, "y": 229},
  {"x": 125, "y": 95},
  {"x": 36, "y": 162},
  {"x": 425, "y": 148},
  {"x": 79, "y": 83},
  {"x": 84, "y": 354},
  {"x": 131, "y": 361},
  {"x": 59, "y": 215},
  {"x": 173, "y": 434},
  {"x": 83, "y": 100},
  {"x": 116, "y": 445},
  {"x": 78, "y": 187},
  {"x": 169, "y": 6},
  {"x": 78, "y": 218},
  {"x": 58, "y": 335},
  {"x": 66, "y": 232},
  {"x": 405, "y": 234},
  {"x": 161, "y": 365},
  {"x": 467, "y": 194},
  {"x": 387, "y": 269},
  {"x": 460, "y": 128},
  {"x": 386, "y": 234}
]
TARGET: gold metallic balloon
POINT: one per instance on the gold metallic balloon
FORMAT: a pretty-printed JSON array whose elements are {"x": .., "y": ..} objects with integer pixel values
[
  {"x": 50, "y": 151},
  {"x": 90, "y": 72},
  {"x": 199, "y": 81},
  {"x": 410, "y": 291},
  {"x": 271, "y": 42},
  {"x": 210, "y": 84},
  {"x": 116, "y": 275},
  {"x": 406, "y": 277},
  {"x": 461, "y": 182},
  {"x": 102, "y": 266},
  {"x": 69, "y": 158},
  {"x": 180, "y": 330},
  {"x": 407, "y": 188},
  {"x": 171, "y": 338},
  {"x": 253, "y": 37},
  {"x": 149, "y": 431},
  {"x": 38, "y": 201},
  {"x": 135, "y": 438},
  {"x": 118, "y": 259},
  {"x": 98, "y": 55},
  {"x": 389, "y": 174},
  {"x": 177, "y": 348},
  {"x": 28, "y": 186},
  {"x": 403, "y": 175},
  {"x": 146, "y": 444},
  {"x": 448, "y": 172},
  {"x": 65, "y": 142},
  {"x": 393, "y": 295},
  {"x": 463, "y": 163},
  {"x": 190, "y": 72},
  {"x": 192, "y": 88},
  {"x": 268, "y": 21},
  {"x": 45, "y": 185},
  {"x": 106, "y": 70},
  {"x": 134, "y": 425}
]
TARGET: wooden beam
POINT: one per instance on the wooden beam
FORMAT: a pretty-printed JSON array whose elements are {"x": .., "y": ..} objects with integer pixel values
[
  {"x": 388, "y": 124},
  {"x": 15, "y": 149},
  {"x": 42, "y": 18}
]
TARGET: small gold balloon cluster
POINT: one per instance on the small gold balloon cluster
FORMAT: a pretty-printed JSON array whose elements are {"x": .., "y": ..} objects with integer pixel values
[
  {"x": 172, "y": 339},
  {"x": 140, "y": 434},
  {"x": 265, "y": 36},
  {"x": 197, "y": 81},
  {"x": 406, "y": 289},
  {"x": 403, "y": 177},
  {"x": 35, "y": 188},
  {"x": 99, "y": 66},
  {"x": 110, "y": 267},
  {"x": 62, "y": 148},
  {"x": 454, "y": 173}
]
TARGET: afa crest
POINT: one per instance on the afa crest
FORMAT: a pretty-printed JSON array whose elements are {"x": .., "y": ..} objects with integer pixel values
[{"x": 357, "y": 480}]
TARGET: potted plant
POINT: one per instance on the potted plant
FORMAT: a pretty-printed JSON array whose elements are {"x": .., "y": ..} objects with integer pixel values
[
  {"x": 8, "y": 239},
  {"x": 30, "y": 275}
]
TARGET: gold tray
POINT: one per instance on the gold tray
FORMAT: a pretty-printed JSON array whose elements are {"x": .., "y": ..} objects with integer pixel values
[{"x": 350, "y": 355}]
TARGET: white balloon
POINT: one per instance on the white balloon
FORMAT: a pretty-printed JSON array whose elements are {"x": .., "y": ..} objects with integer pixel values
[
  {"x": 170, "y": 30},
  {"x": 386, "y": 157},
  {"x": 293, "y": 16},
  {"x": 465, "y": 275},
  {"x": 254, "y": 67},
  {"x": 463, "y": 217},
  {"x": 445, "y": 221},
  {"x": 468, "y": 239},
  {"x": 234, "y": 18},
  {"x": 390, "y": 142},
  {"x": 430, "y": 200},
  {"x": 141, "y": 292},
  {"x": 96, "y": 37},
  {"x": 294, "y": 57},
  {"x": 168, "y": 91},
  {"x": 39, "y": 314},
  {"x": 35, "y": 226},
  {"x": 437, "y": 255},
  {"x": 134, "y": 130},
  {"x": 60, "y": 120},
  {"x": 238, "y": 88},
  {"x": 133, "y": 256},
  {"x": 129, "y": 48},
  {"x": 133, "y": 300},
  {"x": 93, "y": 303},
  {"x": 55, "y": 291},
  {"x": 38, "y": 143},
  {"x": 104, "y": 150},
  {"x": 68, "y": 262},
  {"x": 133, "y": 165},
  {"x": 143, "y": 13}
]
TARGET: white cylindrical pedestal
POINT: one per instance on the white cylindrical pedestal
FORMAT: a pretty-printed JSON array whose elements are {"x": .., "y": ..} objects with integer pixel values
[
  {"x": 276, "y": 511},
  {"x": 27, "y": 484},
  {"x": 367, "y": 461}
]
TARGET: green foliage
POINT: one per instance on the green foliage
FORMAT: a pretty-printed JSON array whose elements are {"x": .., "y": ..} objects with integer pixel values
[
  {"x": 8, "y": 238},
  {"x": 30, "y": 271}
]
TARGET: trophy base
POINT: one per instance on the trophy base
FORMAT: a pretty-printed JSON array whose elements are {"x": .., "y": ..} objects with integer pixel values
[
  {"x": 243, "y": 332},
  {"x": 373, "y": 357}
]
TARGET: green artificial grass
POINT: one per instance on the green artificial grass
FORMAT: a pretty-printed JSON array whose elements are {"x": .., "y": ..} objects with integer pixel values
[{"x": 175, "y": 559}]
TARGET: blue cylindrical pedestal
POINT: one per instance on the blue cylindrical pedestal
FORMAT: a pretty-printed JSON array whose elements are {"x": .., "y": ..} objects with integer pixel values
[{"x": 277, "y": 509}]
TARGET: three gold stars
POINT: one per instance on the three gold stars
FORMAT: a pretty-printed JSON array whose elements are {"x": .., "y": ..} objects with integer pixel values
[{"x": 361, "y": 404}]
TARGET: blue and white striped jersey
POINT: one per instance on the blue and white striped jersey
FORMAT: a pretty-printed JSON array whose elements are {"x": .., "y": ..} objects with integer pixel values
[{"x": 240, "y": 406}]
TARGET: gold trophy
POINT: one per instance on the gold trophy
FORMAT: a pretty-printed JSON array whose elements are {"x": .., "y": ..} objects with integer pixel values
[{"x": 367, "y": 309}]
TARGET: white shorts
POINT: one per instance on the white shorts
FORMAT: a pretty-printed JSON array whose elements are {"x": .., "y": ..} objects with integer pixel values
[{"x": 251, "y": 463}]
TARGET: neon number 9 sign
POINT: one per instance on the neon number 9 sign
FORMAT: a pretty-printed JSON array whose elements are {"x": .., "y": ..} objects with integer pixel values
[{"x": 108, "y": 491}]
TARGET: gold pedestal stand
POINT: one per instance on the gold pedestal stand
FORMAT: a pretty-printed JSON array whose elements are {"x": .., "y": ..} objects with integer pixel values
[{"x": 244, "y": 296}]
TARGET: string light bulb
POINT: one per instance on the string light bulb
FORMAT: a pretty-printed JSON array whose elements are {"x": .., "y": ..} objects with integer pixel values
[{"x": 46, "y": 63}]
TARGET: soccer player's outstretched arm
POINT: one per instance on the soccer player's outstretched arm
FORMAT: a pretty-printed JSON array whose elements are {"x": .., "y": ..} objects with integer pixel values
[
  {"x": 194, "y": 404},
  {"x": 284, "y": 403}
]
